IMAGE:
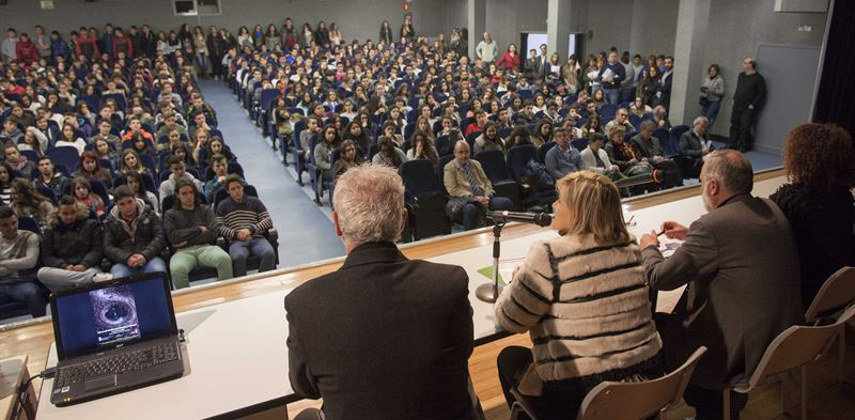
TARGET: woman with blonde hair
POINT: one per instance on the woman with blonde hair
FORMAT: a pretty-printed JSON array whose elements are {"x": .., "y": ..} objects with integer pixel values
[{"x": 583, "y": 298}]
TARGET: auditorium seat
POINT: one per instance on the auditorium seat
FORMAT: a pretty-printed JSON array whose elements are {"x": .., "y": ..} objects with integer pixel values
[
  {"x": 427, "y": 199},
  {"x": 494, "y": 166}
]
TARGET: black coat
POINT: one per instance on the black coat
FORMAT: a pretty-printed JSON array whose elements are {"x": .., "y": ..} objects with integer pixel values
[
  {"x": 148, "y": 238},
  {"x": 383, "y": 338},
  {"x": 78, "y": 243}
]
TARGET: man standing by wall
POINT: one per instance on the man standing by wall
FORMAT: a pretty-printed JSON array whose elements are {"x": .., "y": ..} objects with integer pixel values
[
  {"x": 487, "y": 49},
  {"x": 747, "y": 98}
]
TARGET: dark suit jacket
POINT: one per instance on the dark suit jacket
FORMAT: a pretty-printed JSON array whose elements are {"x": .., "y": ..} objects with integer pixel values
[
  {"x": 383, "y": 338},
  {"x": 690, "y": 144},
  {"x": 742, "y": 269},
  {"x": 646, "y": 148}
]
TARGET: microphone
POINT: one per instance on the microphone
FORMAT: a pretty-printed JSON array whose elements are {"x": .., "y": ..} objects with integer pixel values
[
  {"x": 657, "y": 176},
  {"x": 540, "y": 219}
]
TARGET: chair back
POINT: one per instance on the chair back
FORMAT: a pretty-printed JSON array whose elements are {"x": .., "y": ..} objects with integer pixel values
[
  {"x": 493, "y": 163},
  {"x": 66, "y": 156},
  {"x": 418, "y": 176},
  {"x": 638, "y": 400},
  {"x": 837, "y": 292},
  {"x": 796, "y": 347},
  {"x": 543, "y": 149},
  {"x": 29, "y": 223},
  {"x": 518, "y": 158}
]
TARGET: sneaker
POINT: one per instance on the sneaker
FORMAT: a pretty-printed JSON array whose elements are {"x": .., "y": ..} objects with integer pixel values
[{"x": 98, "y": 278}]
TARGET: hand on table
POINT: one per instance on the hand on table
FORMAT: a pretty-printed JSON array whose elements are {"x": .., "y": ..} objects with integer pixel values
[{"x": 674, "y": 230}]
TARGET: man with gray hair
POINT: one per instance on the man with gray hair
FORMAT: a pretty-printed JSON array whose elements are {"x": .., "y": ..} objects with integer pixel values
[
  {"x": 741, "y": 270},
  {"x": 694, "y": 144},
  {"x": 383, "y": 336}
]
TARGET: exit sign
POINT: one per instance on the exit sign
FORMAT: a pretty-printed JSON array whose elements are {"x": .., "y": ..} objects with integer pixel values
[{"x": 47, "y": 4}]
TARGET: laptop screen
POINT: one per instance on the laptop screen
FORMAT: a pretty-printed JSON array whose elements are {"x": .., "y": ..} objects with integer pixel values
[{"x": 104, "y": 317}]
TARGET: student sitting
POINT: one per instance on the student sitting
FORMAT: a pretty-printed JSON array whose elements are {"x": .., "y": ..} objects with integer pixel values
[
  {"x": 133, "y": 236},
  {"x": 49, "y": 177},
  {"x": 349, "y": 158},
  {"x": 90, "y": 168},
  {"x": 243, "y": 221},
  {"x": 17, "y": 161},
  {"x": 220, "y": 166},
  {"x": 27, "y": 201},
  {"x": 19, "y": 254},
  {"x": 563, "y": 159},
  {"x": 178, "y": 169},
  {"x": 192, "y": 230},
  {"x": 71, "y": 248},
  {"x": 83, "y": 195}
]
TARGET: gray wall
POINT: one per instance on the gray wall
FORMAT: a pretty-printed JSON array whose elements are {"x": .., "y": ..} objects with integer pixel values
[
  {"x": 738, "y": 27},
  {"x": 507, "y": 18},
  {"x": 358, "y": 19},
  {"x": 640, "y": 26}
]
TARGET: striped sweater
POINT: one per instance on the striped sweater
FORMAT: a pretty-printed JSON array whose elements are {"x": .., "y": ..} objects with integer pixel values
[
  {"x": 587, "y": 309},
  {"x": 248, "y": 214}
]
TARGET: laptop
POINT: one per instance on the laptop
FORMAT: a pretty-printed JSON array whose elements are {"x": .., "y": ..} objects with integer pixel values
[{"x": 113, "y": 337}]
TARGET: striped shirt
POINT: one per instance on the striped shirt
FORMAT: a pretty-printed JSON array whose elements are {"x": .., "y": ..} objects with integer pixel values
[
  {"x": 587, "y": 309},
  {"x": 248, "y": 214}
]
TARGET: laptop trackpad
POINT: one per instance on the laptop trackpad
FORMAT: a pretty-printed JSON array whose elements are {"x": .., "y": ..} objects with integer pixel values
[{"x": 100, "y": 382}]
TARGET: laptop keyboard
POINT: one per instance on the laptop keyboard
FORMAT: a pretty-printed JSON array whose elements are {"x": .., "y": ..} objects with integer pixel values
[{"x": 120, "y": 363}]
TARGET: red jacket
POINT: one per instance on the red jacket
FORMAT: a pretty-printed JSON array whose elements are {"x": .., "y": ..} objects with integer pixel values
[
  {"x": 87, "y": 45},
  {"x": 123, "y": 43},
  {"x": 27, "y": 52},
  {"x": 509, "y": 63}
]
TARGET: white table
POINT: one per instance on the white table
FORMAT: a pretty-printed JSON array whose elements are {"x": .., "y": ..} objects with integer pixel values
[{"x": 237, "y": 353}]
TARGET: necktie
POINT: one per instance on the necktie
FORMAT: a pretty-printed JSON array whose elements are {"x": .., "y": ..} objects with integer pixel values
[{"x": 476, "y": 190}]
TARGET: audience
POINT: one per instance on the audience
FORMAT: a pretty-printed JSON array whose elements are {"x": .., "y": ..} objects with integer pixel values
[
  {"x": 243, "y": 221},
  {"x": 414, "y": 313},
  {"x": 72, "y": 247},
  {"x": 741, "y": 267},
  {"x": 19, "y": 255},
  {"x": 191, "y": 229},
  {"x": 49, "y": 177},
  {"x": 818, "y": 202},
  {"x": 133, "y": 236},
  {"x": 471, "y": 192},
  {"x": 583, "y": 298}
]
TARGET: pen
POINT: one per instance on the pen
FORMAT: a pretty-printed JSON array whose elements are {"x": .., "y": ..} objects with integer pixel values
[{"x": 660, "y": 234}]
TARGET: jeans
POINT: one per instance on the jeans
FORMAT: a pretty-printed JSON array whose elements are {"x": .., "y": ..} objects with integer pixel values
[
  {"x": 202, "y": 62},
  {"x": 471, "y": 211},
  {"x": 153, "y": 265},
  {"x": 710, "y": 110},
  {"x": 27, "y": 292},
  {"x": 612, "y": 95},
  {"x": 259, "y": 247},
  {"x": 186, "y": 259}
]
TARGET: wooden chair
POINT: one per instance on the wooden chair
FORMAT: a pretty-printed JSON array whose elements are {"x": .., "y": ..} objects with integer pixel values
[
  {"x": 836, "y": 293},
  {"x": 794, "y": 348},
  {"x": 630, "y": 400}
]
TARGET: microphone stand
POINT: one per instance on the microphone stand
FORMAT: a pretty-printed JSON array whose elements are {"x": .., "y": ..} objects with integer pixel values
[{"x": 489, "y": 292}]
